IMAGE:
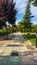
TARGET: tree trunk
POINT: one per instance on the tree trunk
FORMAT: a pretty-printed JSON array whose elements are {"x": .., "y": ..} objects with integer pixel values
[
  {"x": 36, "y": 40},
  {"x": 6, "y": 33}
]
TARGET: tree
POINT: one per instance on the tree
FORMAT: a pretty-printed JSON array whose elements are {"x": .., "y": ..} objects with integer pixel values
[
  {"x": 34, "y": 28},
  {"x": 2, "y": 19},
  {"x": 21, "y": 26},
  {"x": 2, "y": 16},
  {"x": 25, "y": 25},
  {"x": 27, "y": 17},
  {"x": 34, "y": 2},
  {"x": 10, "y": 12}
]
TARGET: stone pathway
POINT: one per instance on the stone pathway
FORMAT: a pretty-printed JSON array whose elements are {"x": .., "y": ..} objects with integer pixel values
[{"x": 27, "y": 54}]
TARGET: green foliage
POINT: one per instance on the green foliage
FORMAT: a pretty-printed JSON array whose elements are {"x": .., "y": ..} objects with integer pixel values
[
  {"x": 25, "y": 25},
  {"x": 10, "y": 11},
  {"x": 2, "y": 31},
  {"x": 9, "y": 28},
  {"x": 15, "y": 28},
  {"x": 27, "y": 18},
  {"x": 2, "y": 23},
  {"x": 31, "y": 38},
  {"x": 2, "y": 19},
  {"x": 34, "y": 28},
  {"x": 21, "y": 26},
  {"x": 35, "y": 3},
  {"x": 7, "y": 14}
]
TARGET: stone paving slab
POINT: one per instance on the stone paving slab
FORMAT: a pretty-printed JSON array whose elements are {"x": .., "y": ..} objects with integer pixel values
[
  {"x": 26, "y": 58},
  {"x": 4, "y": 60},
  {"x": 14, "y": 61},
  {"x": 1, "y": 49},
  {"x": 7, "y": 51}
]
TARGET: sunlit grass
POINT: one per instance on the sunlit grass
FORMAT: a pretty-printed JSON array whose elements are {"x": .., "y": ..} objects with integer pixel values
[
  {"x": 2, "y": 31},
  {"x": 31, "y": 38}
]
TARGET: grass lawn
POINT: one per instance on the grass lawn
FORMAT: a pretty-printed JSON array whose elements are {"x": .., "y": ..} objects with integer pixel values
[
  {"x": 32, "y": 38},
  {"x": 2, "y": 32}
]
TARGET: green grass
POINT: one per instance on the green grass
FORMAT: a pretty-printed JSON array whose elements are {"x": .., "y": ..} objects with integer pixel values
[
  {"x": 33, "y": 41},
  {"x": 2, "y": 31},
  {"x": 32, "y": 38}
]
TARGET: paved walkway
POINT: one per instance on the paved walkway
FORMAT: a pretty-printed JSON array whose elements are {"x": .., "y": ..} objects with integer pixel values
[{"x": 27, "y": 55}]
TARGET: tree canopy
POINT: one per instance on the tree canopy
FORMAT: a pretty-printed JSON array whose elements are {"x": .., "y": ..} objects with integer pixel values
[
  {"x": 34, "y": 2},
  {"x": 2, "y": 16},
  {"x": 10, "y": 11},
  {"x": 27, "y": 18}
]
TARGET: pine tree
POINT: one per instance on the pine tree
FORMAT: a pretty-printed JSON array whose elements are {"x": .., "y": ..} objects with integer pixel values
[{"x": 27, "y": 18}]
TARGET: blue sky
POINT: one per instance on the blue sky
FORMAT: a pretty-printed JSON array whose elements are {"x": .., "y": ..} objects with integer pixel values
[{"x": 21, "y": 5}]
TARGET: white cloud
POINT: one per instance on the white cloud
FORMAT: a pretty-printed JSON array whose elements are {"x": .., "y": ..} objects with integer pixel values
[
  {"x": 20, "y": 5},
  {"x": 35, "y": 22},
  {"x": 17, "y": 21},
  {"x": 34, "y": 10}
]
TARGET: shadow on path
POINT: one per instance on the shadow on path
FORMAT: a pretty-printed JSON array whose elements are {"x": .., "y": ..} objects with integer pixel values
[{"x": 15, "y": 37}]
